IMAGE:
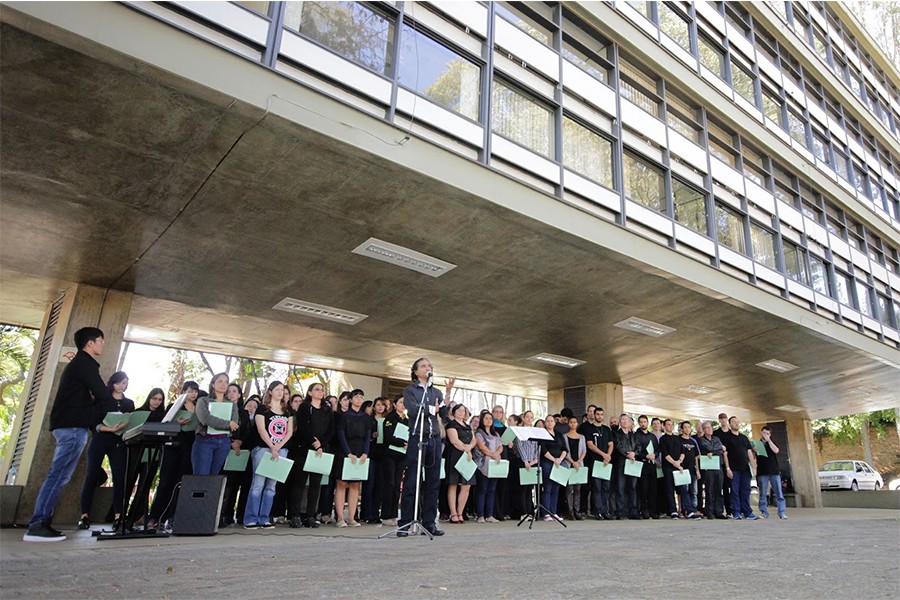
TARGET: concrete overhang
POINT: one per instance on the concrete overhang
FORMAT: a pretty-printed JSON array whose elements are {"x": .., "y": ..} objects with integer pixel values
[{"x": 213, "y": 188}]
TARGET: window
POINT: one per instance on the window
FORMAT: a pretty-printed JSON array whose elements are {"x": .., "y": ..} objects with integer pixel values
[
  {"x": 763, "y": 242},
  {"x": 587, "y": 153},
  {"x": 439, "y": 73},
  {"x": 682, "y": 117},
  {"x": 721, "y": 143},
  {"x": 730, "y": 229},
  {"x": 864, "y": 295},
  {"x": 585, "y": 50},
  {"x": 641, "y": 7},
  {"x": 885, "y": 311},
  {"x": 260, "y": 7},
  {"x": 821, "y": 148},
  {"x": 742, "y": 82},
  {"x": 521, "y": 119},
  {"x": 674, "y": 25},
  {"x": 711, "y": 56},
  {"x": 818, "y": 273},
  {"x": 528, "y": 24},
  {"x": 859, "y": 180},
  {"x": 795, "y": 263},
  {"x": 797, "y": 127},
  {"x": 772, "y": 106},
  {"x": 644, "y": 183},
  {"x": 754, "y": 166},
  {"x": 638, "y": 88},
  {"x": 690, "y": 206},
  {"x": 842, "y": 287},
  {"x": 350, "y": 29},
  {"x": 840, "y": 164}
]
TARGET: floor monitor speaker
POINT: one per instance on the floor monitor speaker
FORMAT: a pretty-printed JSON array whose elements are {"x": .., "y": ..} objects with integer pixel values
[{"x": 199, "y": 505}]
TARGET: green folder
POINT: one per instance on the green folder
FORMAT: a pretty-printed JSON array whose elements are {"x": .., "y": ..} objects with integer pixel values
[
  {"x": 633, "y": 468},
  {"x": 578, "y": 476},
  {"x": 532, "y": 477},
  {"x": 508, "y": 436},
  {"x": 318, "y": 464},
  {"x": 274, "y": 469},
  {"x": 682, "y": 477},
  {"x": 186, "y": 414},
  {"x": 380, "y": 438},
  {"x": 498, "y": 470},
  {"x": 399, "y": 449},
  {"x": 560, "y": 475},
  {"x": 237, "y": 462},
  {"x": 135, "y": 419},
  {"x": 602, "y": 471},
  {"x": 760, "y": 448},
  {"x": 355, "y": 472},
  {"x": 709, "y": 463},
  {"x": 659, "y": 473},
  {"x": 443, "y": 470},
  {"x": 223, "y": 411},
  {"x": 114, "y": 418},
  {"x": 401, "y": 432},
  {"x": 465, "y": 467},
  {"x": 650, "y": 448}
]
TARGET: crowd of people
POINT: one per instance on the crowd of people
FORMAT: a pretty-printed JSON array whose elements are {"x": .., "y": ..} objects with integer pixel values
[{"x": 473, "y": 467}]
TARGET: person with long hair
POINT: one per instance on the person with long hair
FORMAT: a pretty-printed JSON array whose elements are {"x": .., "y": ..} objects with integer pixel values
[
  {"x": 326, "y": 491},
  {"x": 577, "y": 450},
  {"x": 354, "y": 434},
  {"x": 553, "y": 453},
  {"x": 393, "y": 463},
  {"x": 155, "y": 405},
  {"x": 249, "y": 437},
  {"x": 176, "y": 462},
  {"x": 234, "y": 478},
  {"x": 461, "y": 442},
  {"x": 530, "y": 453},
  {"x": 275, "y": 427},
  {"x": 211, "y": 449},
  {"x": 488, "y": 447},
  {"x": 106, "y": 442},
  {"x": 371, "y": 488},
  {"x": 315, "y": 430}
]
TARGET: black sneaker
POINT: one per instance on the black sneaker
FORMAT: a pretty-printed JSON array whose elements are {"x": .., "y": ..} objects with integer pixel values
[
  {"x": 84, "y": 523},
  {"x": 296, "y": 523},
  {"x": 43, "y": 533},
  {"x": 267, "y": 525}
]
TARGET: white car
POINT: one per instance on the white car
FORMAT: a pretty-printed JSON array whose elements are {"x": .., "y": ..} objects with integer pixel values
[{"x": 849, "y": 475}]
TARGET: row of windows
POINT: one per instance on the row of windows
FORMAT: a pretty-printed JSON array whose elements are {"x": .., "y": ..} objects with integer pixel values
[{"x": 446, "y": 74}]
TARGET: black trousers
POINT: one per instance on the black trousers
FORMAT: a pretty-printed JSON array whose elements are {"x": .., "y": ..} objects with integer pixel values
[
  {"x": 237, "y": 482},
  {"x": 100, "y": 446},
  {"x": 712, "y": 482},
  {"x": 176, "y": 463},
  {"x": 391, "y": 477},
  {"x": 726, "y": 492},
  {"x": 432, "y": 448},
  {"x": 647, "y": 490}
]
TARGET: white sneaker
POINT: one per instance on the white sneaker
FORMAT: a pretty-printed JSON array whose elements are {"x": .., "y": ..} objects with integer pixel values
[
  {"x": 491, "y": 520},
  {"x": 480, "y": 520},
  {"x": 782, "y": 517}
]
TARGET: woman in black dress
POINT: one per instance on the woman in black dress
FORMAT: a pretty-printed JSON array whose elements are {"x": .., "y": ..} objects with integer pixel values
[{"x": 460, "y": 442}]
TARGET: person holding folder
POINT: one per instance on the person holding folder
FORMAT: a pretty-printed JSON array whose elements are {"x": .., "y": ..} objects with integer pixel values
[
  {"x": 711, "y": 447},
  {"x": 553, "y": 453},
  {"x": 106, "y": 441},
  {"x": 460, "y": 442},
  {"x": 354, "y": 434},
  {"x": 213, "y": 441},
  {"x": 626, "y": 459},
  {"x": 275, "y": 427},
  {"x": 488, "y": 447},
  {"x": 687, "y": 465},
  {"x": 529, "y": 452},
  {"x": 577, "y": 450},
  {"x": 315, "y": 431},
  {"x": 393, "y": 463}
]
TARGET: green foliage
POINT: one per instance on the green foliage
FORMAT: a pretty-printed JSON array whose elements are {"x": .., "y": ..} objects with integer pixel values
[
  {"x": 848, "y": 428},
  {"x": 16, "y": 348},
  {"x": 183, "y": 368}
]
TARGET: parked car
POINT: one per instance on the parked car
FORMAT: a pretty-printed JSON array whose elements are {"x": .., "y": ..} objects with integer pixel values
[{"x": 849, "y": 475}]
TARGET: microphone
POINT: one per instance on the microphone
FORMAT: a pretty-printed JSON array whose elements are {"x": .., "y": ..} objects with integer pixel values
[{"x": 430, "y": 375}]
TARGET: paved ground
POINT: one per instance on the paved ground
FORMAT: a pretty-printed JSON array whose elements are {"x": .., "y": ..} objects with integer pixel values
[{"x": 851, "y": 553}]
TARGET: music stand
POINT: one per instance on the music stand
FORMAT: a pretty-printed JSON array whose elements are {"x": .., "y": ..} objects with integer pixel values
[{"x": 535, "y": 434}]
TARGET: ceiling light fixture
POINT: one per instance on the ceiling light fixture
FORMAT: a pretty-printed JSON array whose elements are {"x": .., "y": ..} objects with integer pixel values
[
  {"x": 776, "y": 365},
  {"x": 319, "y": 311},
  {"x": 789, "y": 408},
  {"x": 403, "y": 257},
  {"x": 644, "y": 326},
  {"x": 557, "y": 360}
]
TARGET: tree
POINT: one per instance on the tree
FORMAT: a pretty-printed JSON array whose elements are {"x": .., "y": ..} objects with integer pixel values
[
  {"x": 16, "y": 349},
  {"x": 181, "y": 369},
  {"x": 853, "y": 429},
  {"x": 881, "y": 19}
]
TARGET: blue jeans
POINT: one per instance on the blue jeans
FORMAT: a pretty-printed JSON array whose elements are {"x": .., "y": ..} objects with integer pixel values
[
  {"x": 740, "y": 494},
  {"x": 70, "y": 442},
  {"x": 764, "y": 482},
  {"x": 485, "y": 487},
  {"x": 550, "y": 497},
  {"x": 687, "y": 500},
  {"x": 209, "y": 454},
  {"x": 262, "y": 490}
]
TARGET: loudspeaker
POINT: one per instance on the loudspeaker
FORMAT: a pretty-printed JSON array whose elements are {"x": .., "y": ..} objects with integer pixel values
[{"x": 199, "y": 505}]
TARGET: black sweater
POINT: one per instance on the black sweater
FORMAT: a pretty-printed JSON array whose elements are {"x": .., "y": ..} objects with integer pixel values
[
  {"x": 80, "y": 380},
  {"x": 314, "y": 423}
]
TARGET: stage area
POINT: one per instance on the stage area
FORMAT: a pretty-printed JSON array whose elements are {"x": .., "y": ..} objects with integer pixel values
[{"x": 816, "y": 553}]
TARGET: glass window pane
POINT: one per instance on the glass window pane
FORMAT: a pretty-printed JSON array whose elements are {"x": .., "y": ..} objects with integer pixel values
[
  {"x": 628, "y": 88},
  {"x": 690, "y": 206},
  {"x": 742, "y": 82},
  {"x": 842, "y": 287},
  {"x": 771, "y": 106},
  {"x": 587, "y": 153},
  {"x": 641, "y": 7},
  {"x": 585, "y": 61},
  {"x": 711, "y": 57},
  {"x": 260, "y": 7},
  {"x": 730, "y": 229},
  {"x": 526, "y": 24},
  {"x": 819, "y": 275},
  {"x": 674, "y": 26},
  {"x": 763, "y": 242},
  {"x": 885, "y": 311},
  {"x": 794, "y": 263},
  {"x": 521, "y": 119},
  {"x": 439, "y": 73},
  {"x": 644, "y": 183},
  {"x": 351, "y": 29},
  {"x": 797, "y": 127},
  {"x": 864, "y": 295}
]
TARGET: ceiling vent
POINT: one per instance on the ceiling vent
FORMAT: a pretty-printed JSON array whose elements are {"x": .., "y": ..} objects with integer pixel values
[
  {"x": 319, "y": 311},
  {"x": 557, "y": 360},
  {"x": 645, "y": 327},
  {"x": 776, "y": 365},
  {"x": 403, "y": 257}
]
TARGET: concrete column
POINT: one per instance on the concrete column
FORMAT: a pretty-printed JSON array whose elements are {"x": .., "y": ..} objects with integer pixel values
[
  {"x": 804, "y": 469},
  {"x": 555, "y": 402},
  {"x": 607, "y": 396},
  {"x": 82, "y": 306}
]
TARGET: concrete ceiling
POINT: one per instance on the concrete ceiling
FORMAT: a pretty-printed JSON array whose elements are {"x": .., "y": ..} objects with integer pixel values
[{"x": 117, "y": 174}]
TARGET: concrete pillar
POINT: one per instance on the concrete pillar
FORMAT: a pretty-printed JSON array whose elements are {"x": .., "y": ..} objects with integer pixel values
[
  {"x": 804, "y": 469},
  {"x": 80, "y": 306},
  {"x": 555, "y": 402},
  {"x": 608, "y": 396}
]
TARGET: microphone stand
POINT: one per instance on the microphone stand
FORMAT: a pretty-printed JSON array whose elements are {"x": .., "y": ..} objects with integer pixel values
[{"x": 415, "y": 526}]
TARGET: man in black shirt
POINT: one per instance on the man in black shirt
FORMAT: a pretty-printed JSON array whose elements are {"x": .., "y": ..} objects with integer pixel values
[
  {"x": 670, "y": 450},
  {"x": 720, "y": 433},
  {"x": 769, "y": 474},
  {"x": 646, "y": 452},
  {"x": 626, "y": 452},
  {"x": 740, "y": 459},
  {"x": 711, "y": 446},
  {"x": 80, "y": 386},
  {"x": 600, "y": 447}
]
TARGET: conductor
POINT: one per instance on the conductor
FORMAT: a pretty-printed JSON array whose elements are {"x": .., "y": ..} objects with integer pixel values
[{"x": 418, "y": 396}]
